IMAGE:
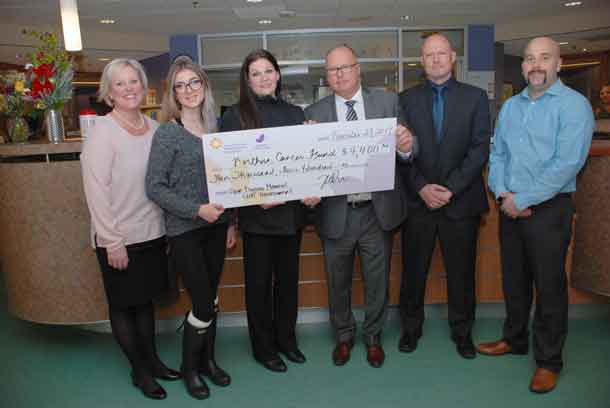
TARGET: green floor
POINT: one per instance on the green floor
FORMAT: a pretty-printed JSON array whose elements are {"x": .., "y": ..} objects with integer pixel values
[{"x": 50, "y": 366}]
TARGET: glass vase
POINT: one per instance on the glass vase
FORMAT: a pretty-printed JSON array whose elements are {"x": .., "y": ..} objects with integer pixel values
[{"x": 18, "y": 129}]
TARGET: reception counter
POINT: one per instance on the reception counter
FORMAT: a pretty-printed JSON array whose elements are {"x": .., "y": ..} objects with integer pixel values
[
  {"x": 51, "y": 273},
  {"x": 591, "y": 272}
]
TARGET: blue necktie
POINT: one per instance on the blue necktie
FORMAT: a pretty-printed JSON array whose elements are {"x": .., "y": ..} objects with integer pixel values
[
  {"x": 351, "y": 112},
  {"x": 438, "y": 111}
]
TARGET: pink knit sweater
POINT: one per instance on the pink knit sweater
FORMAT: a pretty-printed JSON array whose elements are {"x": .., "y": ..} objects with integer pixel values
[{"x": 114, "y": 166}]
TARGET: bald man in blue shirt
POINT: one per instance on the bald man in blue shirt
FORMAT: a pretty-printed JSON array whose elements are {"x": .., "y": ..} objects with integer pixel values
[{"x": 541, "y": 142}]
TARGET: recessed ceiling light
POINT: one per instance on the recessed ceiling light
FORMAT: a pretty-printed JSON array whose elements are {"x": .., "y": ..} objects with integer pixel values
[
  {"x": 264, "y": 22},
  {"x": 564, "y": 43},
  {"x": 405, "y": 18},
  {"x": 107, "y": 21},
  {"x": 585, "y": 49},
  {"x": 573, "y": 3}
]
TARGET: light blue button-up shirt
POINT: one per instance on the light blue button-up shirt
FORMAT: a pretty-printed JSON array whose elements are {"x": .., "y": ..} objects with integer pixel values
[{"x": 540, "y": 145}]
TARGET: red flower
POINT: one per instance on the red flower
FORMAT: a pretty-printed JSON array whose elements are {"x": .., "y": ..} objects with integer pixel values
[
  {"x": 41, "y": 88},
  {"x": 44, "y": 71}
]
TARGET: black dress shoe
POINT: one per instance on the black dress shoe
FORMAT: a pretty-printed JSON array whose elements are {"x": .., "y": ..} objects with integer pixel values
[
  {"x": 407, "y": 343},
  {"x": 295, "y": 356},
  {"x": 149, "y": 387},
  {"x": 167, "y": 374},
  {"x": 275, "y": 364},
  {"x": 465, "y": 348}
]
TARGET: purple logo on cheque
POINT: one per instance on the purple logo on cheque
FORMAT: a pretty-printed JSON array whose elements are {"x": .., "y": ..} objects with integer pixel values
[{"x": 260, "y": 138}]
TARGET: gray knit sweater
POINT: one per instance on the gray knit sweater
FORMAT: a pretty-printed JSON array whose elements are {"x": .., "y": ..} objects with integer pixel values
[{"x": 175, "y": 179}]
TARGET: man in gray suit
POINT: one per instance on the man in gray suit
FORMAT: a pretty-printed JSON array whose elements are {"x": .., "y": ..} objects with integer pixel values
[{"x": 363, "y": 222}]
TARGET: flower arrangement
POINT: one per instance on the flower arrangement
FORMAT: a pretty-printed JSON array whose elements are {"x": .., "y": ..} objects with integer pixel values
[
  {"x": 50, "y": 73},
  {"x": 12, "y": 94},
  {"x": 45, "y": 85}
]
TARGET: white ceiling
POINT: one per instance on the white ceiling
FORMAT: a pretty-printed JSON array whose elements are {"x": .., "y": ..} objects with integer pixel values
[{"x": 143, "y": 27}]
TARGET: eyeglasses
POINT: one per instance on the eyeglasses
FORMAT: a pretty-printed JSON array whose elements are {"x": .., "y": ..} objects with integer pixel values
[
  {"x": 195, "y": 84},
  {"x": 344, "y": 69}
]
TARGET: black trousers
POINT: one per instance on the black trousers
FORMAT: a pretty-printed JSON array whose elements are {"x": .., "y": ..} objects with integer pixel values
[
  {"x": 458, "y": 240},
  {"x": 271, "y": 264},
  {"x": 199, "y": 256},
  {"x": 534, "y": 253}
]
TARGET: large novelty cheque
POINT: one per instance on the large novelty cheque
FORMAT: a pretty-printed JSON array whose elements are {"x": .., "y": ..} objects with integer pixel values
[{"x": 258, "y": 166}]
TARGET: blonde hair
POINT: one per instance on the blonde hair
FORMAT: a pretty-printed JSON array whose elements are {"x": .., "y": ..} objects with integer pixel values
[
  {"x": 110, "y": 69},
  {"x": 170, "y": 107}
]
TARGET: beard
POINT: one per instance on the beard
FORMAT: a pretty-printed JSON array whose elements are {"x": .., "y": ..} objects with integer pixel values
[{"x": 544, "y": 82}]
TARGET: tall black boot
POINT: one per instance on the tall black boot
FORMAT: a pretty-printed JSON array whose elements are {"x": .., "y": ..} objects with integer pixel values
[
  {"x": 193, "y": 343},
  {"x": 208, "y": 365}
]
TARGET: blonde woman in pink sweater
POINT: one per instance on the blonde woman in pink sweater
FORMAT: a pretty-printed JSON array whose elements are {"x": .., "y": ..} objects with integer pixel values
[{"x": 129, "y": 229}]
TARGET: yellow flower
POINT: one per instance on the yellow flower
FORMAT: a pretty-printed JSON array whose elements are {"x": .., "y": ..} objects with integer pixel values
[{"x": 19, "y": 86}]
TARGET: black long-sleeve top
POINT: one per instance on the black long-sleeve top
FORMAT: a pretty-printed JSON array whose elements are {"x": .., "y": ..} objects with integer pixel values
[{"x": 286, "y": 219}]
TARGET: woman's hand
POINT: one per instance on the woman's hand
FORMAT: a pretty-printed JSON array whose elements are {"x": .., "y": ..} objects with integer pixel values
[
  {"x": 231, "y": 236},
  {"x": 311, "y": 202},
  {"x": 210, "y": 212},
  {"x": 117, "y": 258}
]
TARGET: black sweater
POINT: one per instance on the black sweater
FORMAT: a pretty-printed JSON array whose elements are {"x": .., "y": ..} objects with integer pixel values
[{"x": 284, "y": 219}]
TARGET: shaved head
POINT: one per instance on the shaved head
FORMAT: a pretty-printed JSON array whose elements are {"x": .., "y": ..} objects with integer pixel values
[
  {"x": 436, "y": 38},
  {"x": 437, "y": 58},
  {"x": 543, "y": 42},
  {"x": 541, "y": 65}
]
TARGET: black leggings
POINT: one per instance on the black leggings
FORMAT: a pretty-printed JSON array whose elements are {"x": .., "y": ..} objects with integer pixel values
[{"x": 199, "y": 255}]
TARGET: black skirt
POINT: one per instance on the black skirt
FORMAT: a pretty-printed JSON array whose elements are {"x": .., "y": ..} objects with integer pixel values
[{"x": 145, "y": 278}]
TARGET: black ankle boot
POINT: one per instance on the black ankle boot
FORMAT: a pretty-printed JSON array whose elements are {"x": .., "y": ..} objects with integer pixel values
[
  {"x": 208, "y": 366},
  {"x": 193, "y": 343}
]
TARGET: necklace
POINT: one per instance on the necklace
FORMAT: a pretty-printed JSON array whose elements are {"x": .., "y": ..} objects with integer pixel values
[
  {"x": 139, "y": 129},
  {"x": 127, "y": 122}
]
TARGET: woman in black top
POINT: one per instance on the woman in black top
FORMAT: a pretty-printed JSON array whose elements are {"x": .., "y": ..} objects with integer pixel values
[{"x": 271, "y": 232}]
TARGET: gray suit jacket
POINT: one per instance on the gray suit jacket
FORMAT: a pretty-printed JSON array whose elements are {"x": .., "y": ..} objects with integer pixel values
[{"x": 390, "y": 206}]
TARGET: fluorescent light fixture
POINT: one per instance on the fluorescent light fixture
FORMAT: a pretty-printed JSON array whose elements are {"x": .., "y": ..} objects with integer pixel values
[
  {"x": 573, "y": 3},
  {"x": 107, "y": 21},
  {"x": 564, "y": 43},
  {"x": 264, "y": 22},
  {"x": 254, "y": 1},
  {"x": 103, "y": 59},
  {"x": 294, "y": 70},
  {"x": 412, "y": 64},
  {"x": 70, "y": 25}
]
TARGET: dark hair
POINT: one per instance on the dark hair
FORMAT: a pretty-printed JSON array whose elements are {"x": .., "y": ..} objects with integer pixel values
[{"x": 248, "y": 113}]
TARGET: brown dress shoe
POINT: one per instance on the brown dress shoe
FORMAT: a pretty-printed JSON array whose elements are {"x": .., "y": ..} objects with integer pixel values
[
  {"x": 497, "y": 348},
  {"x": 543, "y": 381},
  {"x": 375, "y": 355},
  {"x": 341, "y": 352}
]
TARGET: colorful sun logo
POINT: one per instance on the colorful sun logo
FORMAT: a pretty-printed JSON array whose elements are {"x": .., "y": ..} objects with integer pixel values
[{"x": 215, "y": 143}]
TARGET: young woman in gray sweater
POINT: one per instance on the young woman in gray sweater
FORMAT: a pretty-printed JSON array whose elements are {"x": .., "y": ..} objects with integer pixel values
[{"x": 198, "y": 231}]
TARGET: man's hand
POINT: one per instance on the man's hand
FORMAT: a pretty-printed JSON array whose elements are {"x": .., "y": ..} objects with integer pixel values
[
  {"x": 435, "y": 196},
  {"x": 404, "y": 139},
  {"x": 510, "y": 209},
  {"x": 210, "y": 212}
]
